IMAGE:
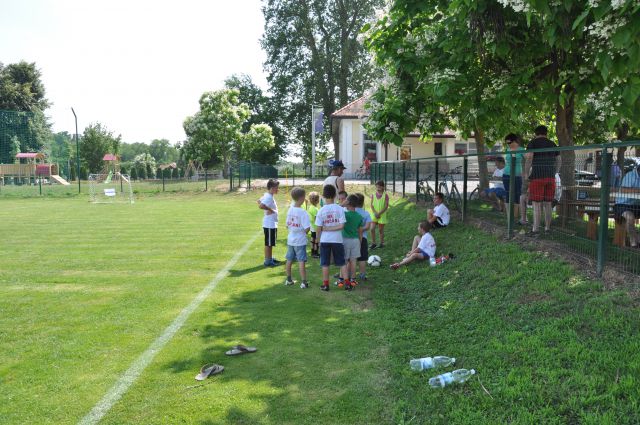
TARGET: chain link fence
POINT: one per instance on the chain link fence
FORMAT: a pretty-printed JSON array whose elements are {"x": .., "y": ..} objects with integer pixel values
[{"x": 587, "y": 198}]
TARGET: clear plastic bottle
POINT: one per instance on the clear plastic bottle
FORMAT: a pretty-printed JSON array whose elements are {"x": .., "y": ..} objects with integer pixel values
[
  {"x": 459, "y": 376},
  {"x": 439, "y": 260},
  {"x": 431, "y": 362}
]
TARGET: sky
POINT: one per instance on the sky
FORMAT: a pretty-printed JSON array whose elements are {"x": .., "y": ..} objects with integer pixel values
[{"x": 136, "y": 66}]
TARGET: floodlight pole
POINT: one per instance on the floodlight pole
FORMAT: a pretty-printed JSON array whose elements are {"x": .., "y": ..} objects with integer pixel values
[{"x": 77, "y": 150}]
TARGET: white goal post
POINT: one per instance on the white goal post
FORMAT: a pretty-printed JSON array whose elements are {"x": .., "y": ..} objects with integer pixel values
[{"x": 110, "y": 188}]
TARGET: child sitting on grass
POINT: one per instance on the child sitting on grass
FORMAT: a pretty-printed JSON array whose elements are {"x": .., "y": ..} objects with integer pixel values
[
  {"x": 423, "y": 247},
  {"x": 312, "y": 209},
  {"x": 298, "y": 225}
]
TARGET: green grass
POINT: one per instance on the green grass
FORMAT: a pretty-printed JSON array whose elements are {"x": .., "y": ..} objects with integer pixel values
[{"x": 84, "y": 290}]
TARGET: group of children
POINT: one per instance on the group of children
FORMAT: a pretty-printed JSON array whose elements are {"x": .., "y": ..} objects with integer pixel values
[{"x": 338, "y": 231}]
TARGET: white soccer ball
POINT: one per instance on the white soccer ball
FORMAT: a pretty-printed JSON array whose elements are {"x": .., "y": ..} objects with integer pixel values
[{"x": 374, "y": 261}]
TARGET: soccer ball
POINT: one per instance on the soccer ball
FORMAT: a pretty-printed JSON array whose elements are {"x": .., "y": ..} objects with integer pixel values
[{"x": 374, "y": 261}]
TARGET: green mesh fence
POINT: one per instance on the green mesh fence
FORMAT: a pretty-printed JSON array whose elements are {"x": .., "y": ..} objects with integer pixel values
[{"x": 18, "y": 133}]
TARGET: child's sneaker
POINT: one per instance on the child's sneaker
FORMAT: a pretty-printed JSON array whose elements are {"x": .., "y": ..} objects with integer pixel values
[
  {"x": 339, "y": 283},
  {"x": 363, "y": 277},
  {"x": 324, "y": 288},
  {"x": 288, "y": 282},
  {"x": 304, "y": 285},
  {"x": 354, "y": 283},
  {"x": 373, "y": 246},
  {"x": 348, "y": 287}
]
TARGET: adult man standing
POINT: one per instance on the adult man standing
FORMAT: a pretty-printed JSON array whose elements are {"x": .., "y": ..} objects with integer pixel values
[
  {"x": 540, "y": 169},
  {"x": 335, "y": 178},
  {"x": 628, "y": 207}
]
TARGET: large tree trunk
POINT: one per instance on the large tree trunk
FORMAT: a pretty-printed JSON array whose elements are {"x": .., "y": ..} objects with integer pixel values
[
  {"x": 564, "y": 132},
  {"x": 483, "y": 171}
]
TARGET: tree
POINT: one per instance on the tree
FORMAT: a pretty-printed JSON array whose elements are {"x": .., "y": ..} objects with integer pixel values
[
  {"x": 60, "y": 149},
  {"x": 215, "y": 131},
  {"x": 145, "y": 165},
  {"x": 263, "y": 110},
  {"x": 314, "y": 57},
  {"x": 128, "y": 151},
  {"x": 163, "y": 151},
  {"x": 96, "y": 141},
  {"x": 257, "y": 140},
  {"x": 527, "y": 59}
]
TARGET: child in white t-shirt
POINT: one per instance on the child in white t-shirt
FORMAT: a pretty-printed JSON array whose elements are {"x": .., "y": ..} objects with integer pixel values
[
  {"x": 439, "y": 216},
  {"x": 423, "y": 247},
  {"x": 270, "y": 221},
  {"x": 329, "y": 223},
  {"x": 298, "y": 224}
]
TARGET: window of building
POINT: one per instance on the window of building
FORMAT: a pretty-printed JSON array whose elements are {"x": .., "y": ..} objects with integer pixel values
[
  {"x": 370, "y": 148},
  {"x": 460, "y": 148},
  {"x": 437, "y": 148}
]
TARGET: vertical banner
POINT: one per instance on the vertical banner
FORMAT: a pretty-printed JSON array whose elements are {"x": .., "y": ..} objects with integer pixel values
[{"x": 318, "y": 125}]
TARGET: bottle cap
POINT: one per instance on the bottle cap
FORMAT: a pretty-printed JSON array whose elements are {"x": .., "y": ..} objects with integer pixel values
[
  {"x": 453, "y": 359},
  {"x": 472, "y": 371}
]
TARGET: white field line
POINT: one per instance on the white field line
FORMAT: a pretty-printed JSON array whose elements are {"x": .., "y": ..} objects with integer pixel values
[{"x": 139, "y": 365}]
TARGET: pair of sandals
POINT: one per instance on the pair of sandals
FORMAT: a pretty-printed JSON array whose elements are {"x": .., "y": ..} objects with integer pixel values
[{"x": 214, "y": 369}]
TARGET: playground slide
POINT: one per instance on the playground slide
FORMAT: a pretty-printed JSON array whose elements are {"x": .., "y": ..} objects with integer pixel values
[{"x": 56, "y": 178}]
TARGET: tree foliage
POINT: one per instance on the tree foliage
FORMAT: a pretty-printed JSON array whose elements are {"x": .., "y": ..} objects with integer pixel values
[
  {"x": 263, "y": 111},
  {"x": 163, "y": 151},
  {"x": 96, "y": 141},
  {"x": 215, "y": 131},
  {"x": 314, "y": 57}
]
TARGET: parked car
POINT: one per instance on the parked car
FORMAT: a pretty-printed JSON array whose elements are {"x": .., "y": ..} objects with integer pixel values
[{"x": 585, "y": 178}]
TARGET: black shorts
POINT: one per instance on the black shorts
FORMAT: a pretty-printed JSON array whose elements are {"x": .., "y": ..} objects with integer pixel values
[
  {"x": 270, "y": 236},
  {"x": 364, "y": 250},
  {"x": 313, "y": 237},
  {"x": 438, "y": 223},
  {"x": 618, "y": 209}
]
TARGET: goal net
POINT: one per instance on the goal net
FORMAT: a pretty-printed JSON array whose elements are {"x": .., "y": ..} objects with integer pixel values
[{"x": 110, "y": 188}]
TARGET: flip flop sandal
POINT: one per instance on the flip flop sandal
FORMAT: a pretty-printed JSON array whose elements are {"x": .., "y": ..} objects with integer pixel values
[
  {"x": 209, "y": 370},
  {"x": 241, "y": 349}
]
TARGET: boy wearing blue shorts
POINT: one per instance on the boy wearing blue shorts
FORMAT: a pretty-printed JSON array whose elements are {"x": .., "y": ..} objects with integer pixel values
[
  {"x": 329, "y": 223},
  {"x": 423, "y": 247},
  {"x": 298, "y": 225}
]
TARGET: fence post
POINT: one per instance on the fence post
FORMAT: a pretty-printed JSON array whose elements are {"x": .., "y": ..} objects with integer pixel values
[
  {"x": 230, "y": 178},
  {"x": 249, "y": 177},
  {"x": 512, "y": 194},
  {"x": 437, "y": 172},
  {"x": 404, "y": 178},
  {"x": 386, "y": 175},
  {"x": 293, "y": 174},
  {"x": 465, "y": 178},
  {"x": 393, "y": 171},
  {"x": 417, "y": 180},
  {"x": 604, "y": 211},
  {"x": 162, "y": 171}
]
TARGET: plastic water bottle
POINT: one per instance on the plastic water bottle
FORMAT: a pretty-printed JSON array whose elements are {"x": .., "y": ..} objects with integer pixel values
[
  {"x": 459, "y": 376},
  {"x": 431, "y": 362},
  {"x": 439, "y": 260}
]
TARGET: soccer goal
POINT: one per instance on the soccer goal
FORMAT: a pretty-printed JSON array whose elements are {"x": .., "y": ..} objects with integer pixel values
[{"x": 110, "y": 188}]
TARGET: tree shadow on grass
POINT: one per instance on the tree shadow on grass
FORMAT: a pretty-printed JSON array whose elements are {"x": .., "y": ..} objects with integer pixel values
[{"x": 318, "y": 360}]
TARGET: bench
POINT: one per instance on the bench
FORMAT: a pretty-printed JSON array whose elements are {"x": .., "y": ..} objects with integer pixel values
[{"x": 587, "y": 201}]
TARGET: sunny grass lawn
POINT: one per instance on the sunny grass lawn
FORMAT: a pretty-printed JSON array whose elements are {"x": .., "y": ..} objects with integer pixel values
[{"x": 84, "y": 289}]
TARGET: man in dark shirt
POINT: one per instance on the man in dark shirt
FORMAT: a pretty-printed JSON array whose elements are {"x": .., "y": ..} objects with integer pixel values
[{"x": 541, "y": 168}]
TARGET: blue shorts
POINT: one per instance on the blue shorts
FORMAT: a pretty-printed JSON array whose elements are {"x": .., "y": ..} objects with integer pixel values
[
  {"x": 500, "y": 192},
  {"x": 326, "y": 249},
  {"x": 424, "y": 254},
  {"x": 298, "y": 253}
]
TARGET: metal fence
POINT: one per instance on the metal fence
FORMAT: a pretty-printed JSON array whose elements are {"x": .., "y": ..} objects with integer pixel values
[{"x": 595, "y": 205}]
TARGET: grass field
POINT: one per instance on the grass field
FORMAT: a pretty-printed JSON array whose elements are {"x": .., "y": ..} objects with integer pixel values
[{"x": 85, "y": 289}]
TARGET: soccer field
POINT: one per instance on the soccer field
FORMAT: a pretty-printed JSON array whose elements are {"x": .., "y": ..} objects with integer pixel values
[{"x": 85, "y": 289}]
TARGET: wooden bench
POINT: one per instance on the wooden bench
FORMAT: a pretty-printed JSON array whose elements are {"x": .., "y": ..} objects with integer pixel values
[{"x": 586, "y": 200}]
